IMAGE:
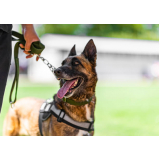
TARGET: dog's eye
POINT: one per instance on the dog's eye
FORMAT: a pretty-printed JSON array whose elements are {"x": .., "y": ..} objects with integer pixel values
[{"x": 76, "y": 63}]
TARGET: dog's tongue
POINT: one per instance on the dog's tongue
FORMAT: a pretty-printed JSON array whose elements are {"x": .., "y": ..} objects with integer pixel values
[{"x": 66, "y": 86}]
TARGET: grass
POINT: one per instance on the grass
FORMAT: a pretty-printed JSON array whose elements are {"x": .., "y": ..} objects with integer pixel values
[{"x": 122, "y": 109}]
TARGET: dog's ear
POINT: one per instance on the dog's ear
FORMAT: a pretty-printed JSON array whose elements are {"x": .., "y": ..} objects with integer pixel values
[
  {"x": 90, "y": 52},
  {"x": 72, "y": 51}
]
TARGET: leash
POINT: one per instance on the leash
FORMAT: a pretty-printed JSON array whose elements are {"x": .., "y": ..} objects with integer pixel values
[{"x": 36, "y": 48}]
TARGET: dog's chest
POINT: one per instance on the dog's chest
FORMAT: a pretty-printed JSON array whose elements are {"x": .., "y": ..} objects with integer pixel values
[
  {"x": 88, "y": 113},
  {"x": 88, "y": 117},
  {"x": 82, "y": 133},
  {"x": 80, "y": 113}
]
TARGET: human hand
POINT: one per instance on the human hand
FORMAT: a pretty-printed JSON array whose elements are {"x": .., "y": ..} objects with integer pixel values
[{"x": 30, "y": 36}]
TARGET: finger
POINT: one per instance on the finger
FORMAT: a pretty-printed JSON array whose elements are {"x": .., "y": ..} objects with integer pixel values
[
  {"x": 29, "y": 56},
  {"x": 37, "y": 58},
  {"x": 26, "y": 52},
  {"x": 28, "y": 46},
  {"x": 21, "y": 45}
]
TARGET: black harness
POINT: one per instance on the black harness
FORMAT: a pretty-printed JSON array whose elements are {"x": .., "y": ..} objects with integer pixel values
[{"x": 48, "y": 108}]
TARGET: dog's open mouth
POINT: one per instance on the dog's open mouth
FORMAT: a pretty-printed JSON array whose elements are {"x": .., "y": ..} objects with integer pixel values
[{"x": 69, "y": 86}]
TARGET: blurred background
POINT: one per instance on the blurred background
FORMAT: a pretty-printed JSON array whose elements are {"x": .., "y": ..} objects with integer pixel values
[{"x": 128, "y": 73}]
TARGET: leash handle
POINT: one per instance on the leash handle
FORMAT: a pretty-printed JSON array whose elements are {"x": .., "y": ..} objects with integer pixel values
[{"x": 36, "y": 48}]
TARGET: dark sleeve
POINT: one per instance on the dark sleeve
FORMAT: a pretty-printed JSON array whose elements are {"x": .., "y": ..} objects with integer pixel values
[{"x": 6, "y": 27}]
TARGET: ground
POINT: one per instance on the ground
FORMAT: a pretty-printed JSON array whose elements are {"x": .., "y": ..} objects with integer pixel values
[{"x": 122, "y": 109}]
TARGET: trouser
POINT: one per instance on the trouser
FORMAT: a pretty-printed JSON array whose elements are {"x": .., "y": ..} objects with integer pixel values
[{"x": 5, "y": 61}]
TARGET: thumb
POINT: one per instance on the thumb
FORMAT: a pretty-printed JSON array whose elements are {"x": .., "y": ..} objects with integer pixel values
[{"x": 28, "y": 46}]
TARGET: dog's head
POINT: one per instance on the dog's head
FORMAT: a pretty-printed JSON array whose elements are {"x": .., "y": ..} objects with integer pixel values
[{"x": 77, "y": 74}]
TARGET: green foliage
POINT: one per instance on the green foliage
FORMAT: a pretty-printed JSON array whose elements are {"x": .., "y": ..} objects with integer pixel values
[
  {"x": 133, "y": 31},
  {"x": 57, "y": 28}
]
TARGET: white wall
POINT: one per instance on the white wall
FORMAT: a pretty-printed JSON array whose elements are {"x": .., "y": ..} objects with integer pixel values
[{"x": 118, "y": 59}]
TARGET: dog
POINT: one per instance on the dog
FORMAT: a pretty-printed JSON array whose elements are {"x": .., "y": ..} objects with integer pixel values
[{"x": 78, "y": 80}]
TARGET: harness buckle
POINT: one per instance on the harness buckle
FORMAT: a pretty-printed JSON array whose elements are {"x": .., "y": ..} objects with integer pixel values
[
  {"x": 59, "y": 119},
  {"x": 90, "y": 129},
  {"x": 12, "y": 105}
]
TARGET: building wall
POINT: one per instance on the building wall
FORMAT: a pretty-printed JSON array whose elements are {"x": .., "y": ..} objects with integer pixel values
[
  {"x": 116, "y": 67},
  {"x": 130, "y": 61}
]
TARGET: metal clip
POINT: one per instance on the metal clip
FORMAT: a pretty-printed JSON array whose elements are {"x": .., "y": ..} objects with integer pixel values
[
  {"x": 12, "y": 105},
  {"x": 59, "y": 119},
  {"x": 52, "y": 68}
]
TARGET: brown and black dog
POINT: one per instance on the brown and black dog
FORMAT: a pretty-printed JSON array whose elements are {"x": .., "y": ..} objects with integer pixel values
[{"x": 78, "y": 80}]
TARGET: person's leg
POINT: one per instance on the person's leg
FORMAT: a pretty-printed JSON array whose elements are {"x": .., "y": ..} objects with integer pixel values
[{"x": 5, "y": 60}]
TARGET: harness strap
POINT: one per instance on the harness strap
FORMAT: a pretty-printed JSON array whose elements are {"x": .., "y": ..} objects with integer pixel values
[
  {"x": 36, "y": 48},
  {"x": 40, "y": 123},
  {"x": 61, "y": 117}
]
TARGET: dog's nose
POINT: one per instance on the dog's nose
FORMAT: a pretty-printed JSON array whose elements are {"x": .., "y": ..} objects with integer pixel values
[{"x": 58, "y": 72}]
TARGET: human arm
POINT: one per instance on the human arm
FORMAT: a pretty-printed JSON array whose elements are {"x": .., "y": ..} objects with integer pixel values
[{"x": 30, "y": 36}]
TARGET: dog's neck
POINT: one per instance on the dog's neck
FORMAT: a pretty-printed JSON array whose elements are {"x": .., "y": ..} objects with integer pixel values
[
  {"x": 79, "y": 113},
  {"x": 89, "y": 92}
]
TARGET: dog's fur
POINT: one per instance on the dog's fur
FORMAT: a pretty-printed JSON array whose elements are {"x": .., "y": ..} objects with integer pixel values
[{"x": 23, "y": 118}]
